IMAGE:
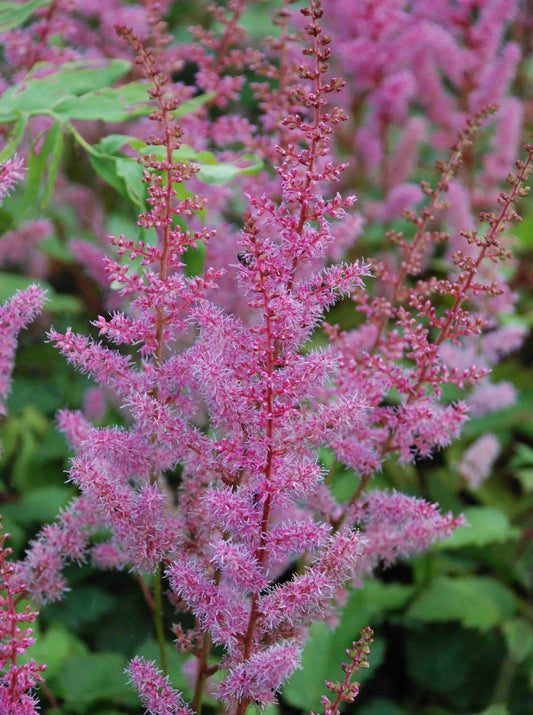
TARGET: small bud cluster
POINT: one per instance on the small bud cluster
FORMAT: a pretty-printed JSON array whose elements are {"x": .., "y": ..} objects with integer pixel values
[{"x": 347, "y": 691}]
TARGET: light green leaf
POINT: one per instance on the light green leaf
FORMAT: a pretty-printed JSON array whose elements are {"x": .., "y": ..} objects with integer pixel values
[
  {"x": 53, "y": 648},
  {"x": 475, "y": 601},
  {"x": 37, "y": 163},
  {"x": 37, "y": 95},
  {"x": 123, "y": 174},
  {"x": 110, "y": 104},
  {"x": 189, "y": 106},
  {"x": 222, "y": 173},
  {"x": 131, "y": 173},
  {"x": 56, "y": 152},
  {"x": 13, "y": 14},
  {"x": 16, "y": 135},
  {"x": 519, "y": 638},
  {"x": 55, "y": 302},
  {"x": 486, "y": 525},
  {"x": 95, "y": 677}
]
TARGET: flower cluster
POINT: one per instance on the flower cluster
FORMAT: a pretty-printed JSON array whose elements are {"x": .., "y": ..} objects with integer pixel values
[
  {"x": 16, "y": 679},
  {"x": 233, "y": 383}
]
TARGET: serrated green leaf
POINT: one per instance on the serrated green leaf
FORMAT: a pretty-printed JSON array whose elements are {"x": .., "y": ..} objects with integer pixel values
[
  {"x": 486, "y": 525},
  {"x": 475, "y": 601},
  {"x": 131, "y": 173},
  {"x": 13, "y": 14}
]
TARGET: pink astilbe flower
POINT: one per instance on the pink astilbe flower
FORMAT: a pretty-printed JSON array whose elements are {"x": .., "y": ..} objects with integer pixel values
[
  {"x": 155, "y": 691},
  {"x": 15, "y": 315},
  {"x": 231, "y": 396},
  {"x": 477, "y": 462},
  {"x": 17, "y": 680},
  {"x": 11, "y": 172}
]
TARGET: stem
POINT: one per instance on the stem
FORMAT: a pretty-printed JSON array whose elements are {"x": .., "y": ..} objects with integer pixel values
[
  {"x": 146, "y": 593},
  {"x": 158, "y": 619},
  {"x": 203, "y": 674}
]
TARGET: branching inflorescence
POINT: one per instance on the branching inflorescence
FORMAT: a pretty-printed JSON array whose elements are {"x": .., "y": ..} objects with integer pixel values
[{"x": 233, "y": 393}]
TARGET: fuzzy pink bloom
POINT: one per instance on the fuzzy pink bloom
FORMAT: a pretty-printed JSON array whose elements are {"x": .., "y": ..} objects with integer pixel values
[
  {"x": 11, "y": 172},
  {"x": 16, "y": 680},
  {"x": 262, "y": 675},
  {"x": 155, "y": 691},
  {"x": 15, "y": 315},
  {"x": 477, "y": 462}
]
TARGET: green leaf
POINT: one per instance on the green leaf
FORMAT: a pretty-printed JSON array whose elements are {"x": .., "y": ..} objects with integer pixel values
[
  {"x": 194, "y": 259},
  {"x": 380, "y": 706},
  {"x": 37, "y": 163},
  {"x": 223, "y": 173},
  {"x": 55, "y": 302},
  {"x": 13, "y": 14},
  {"x": 326, "y": 650},
  {"x": 81, "y": 606},
  {"x": 475, "y": 601},
  {"x": 211, "y": 171},
  {"x": 56, "y": 151},
  {"x": 519, "y": 638},
  {"x": 16, "y": 135},
  {"x": 189, "y": 106},
  {"x": 124, "y": 175},
  {"x": 38, "y": 95},
  {"x": 54, "y": 648},
  {"x": 95, "y": 677},
  {"x": 40, "y": 505},
  {"x": 486, "y": 525},
  {"x": 110, "y": 104}
]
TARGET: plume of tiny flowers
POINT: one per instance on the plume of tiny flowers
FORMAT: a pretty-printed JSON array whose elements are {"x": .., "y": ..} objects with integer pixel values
[
  {"x": 242, "y": 408},
  {"x": 16, "y": 679},
  {"x": 15, "y": 314},
  {"x": 155, "y": 691}
]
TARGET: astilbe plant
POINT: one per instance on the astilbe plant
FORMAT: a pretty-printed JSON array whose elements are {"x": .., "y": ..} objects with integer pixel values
[{"x": 238, "y": 404}]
